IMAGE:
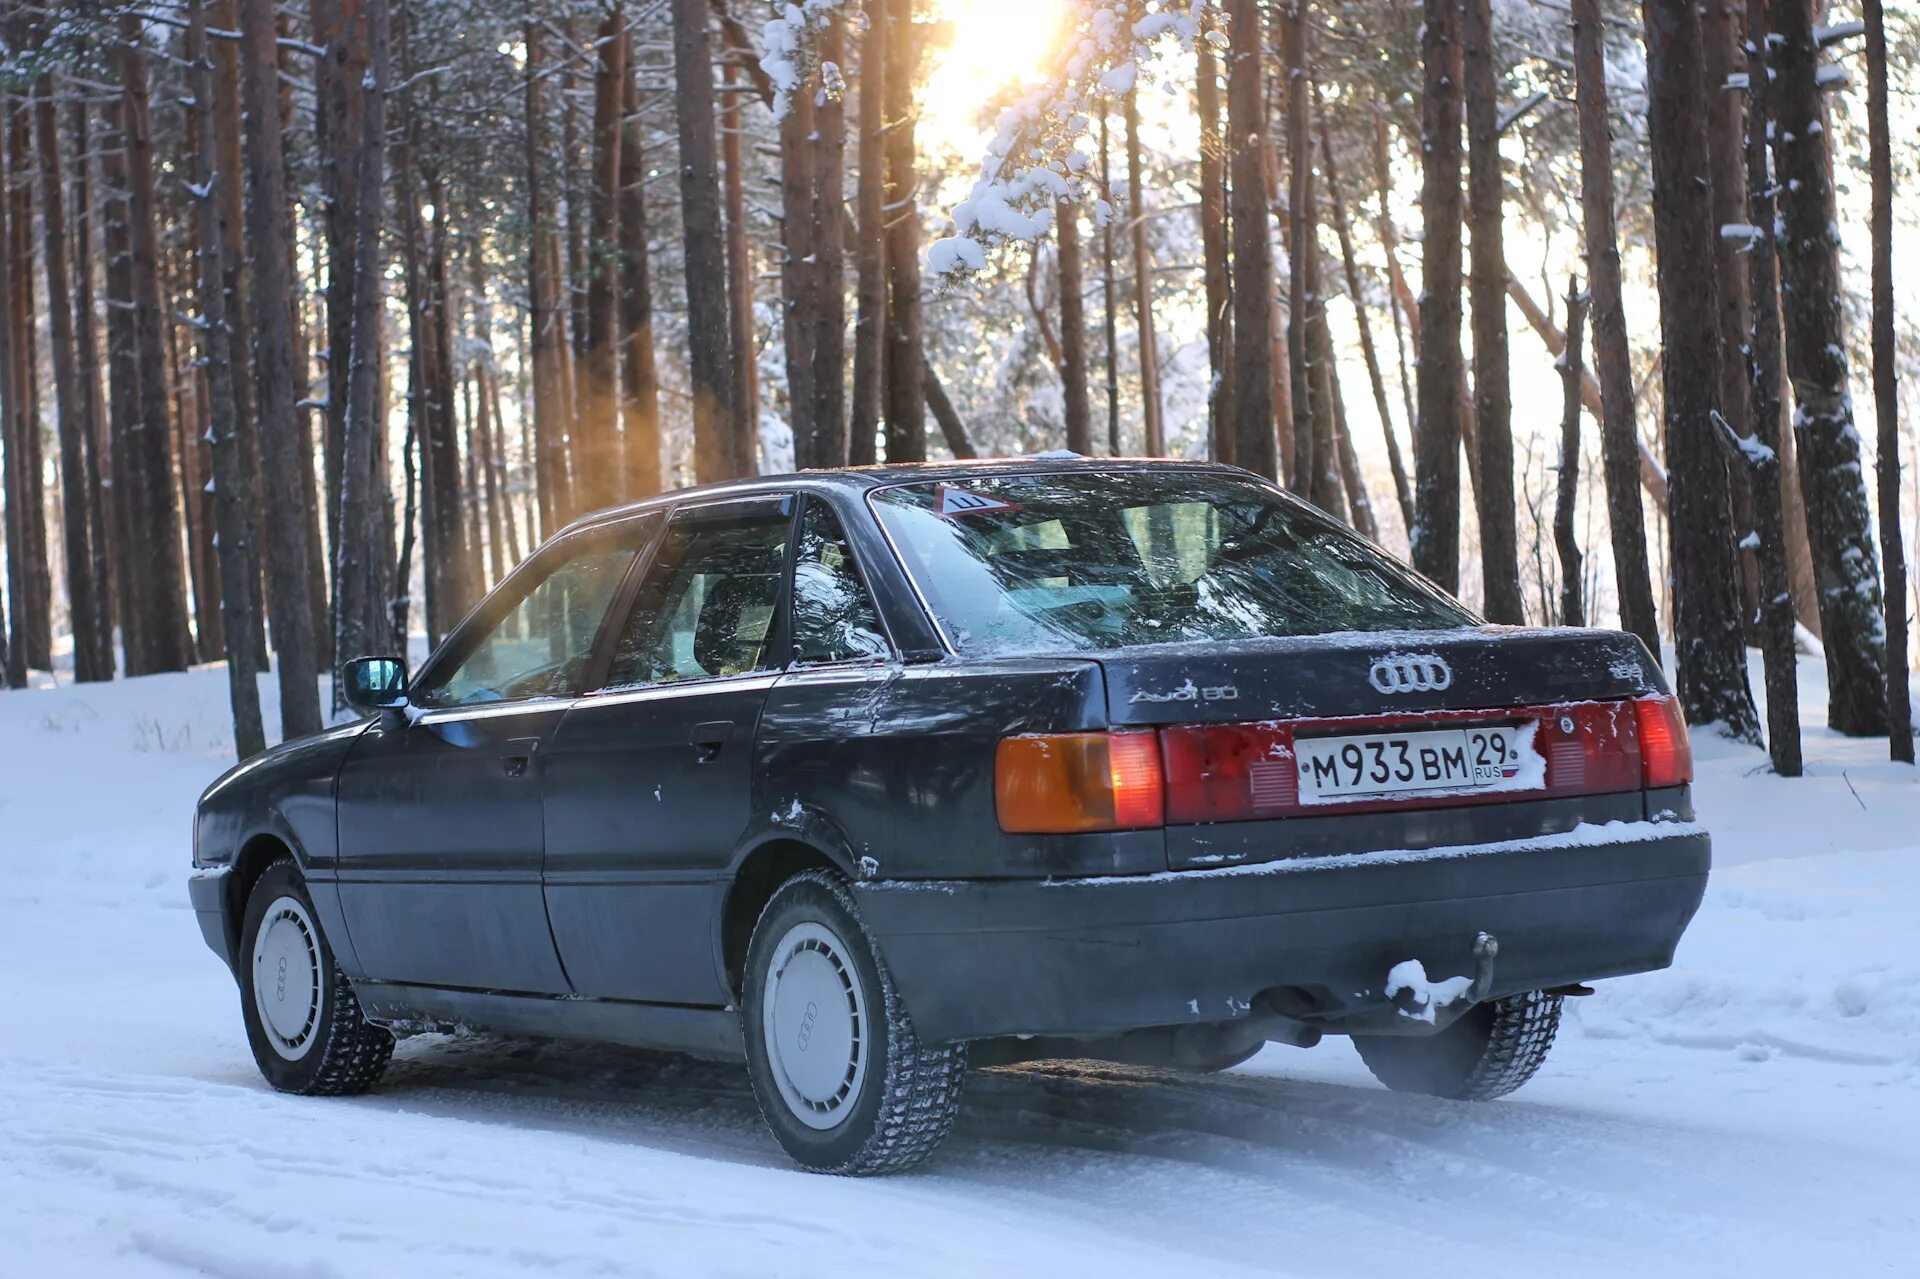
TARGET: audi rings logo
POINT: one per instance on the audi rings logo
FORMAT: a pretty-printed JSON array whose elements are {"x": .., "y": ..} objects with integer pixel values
[{"x": 1403, "y": 673}]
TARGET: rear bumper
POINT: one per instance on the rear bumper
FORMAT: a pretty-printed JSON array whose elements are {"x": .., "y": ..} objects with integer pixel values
[{"x": 981, "y": 959}]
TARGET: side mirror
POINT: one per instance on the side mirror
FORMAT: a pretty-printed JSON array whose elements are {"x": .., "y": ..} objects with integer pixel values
[{"x": 375, "y": 684}]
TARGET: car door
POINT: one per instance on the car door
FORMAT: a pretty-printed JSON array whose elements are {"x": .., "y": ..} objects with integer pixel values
[
  {"x": 648, "y": 781},
  {"x": 440, "y": 820}
]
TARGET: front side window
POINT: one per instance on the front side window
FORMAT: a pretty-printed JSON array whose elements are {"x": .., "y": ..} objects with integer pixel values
[
  {"x": 1016, "y": 564},
  {"x": 542, "y": 645},
  {"x": 833, "y": 616},
  {"x": 707, "y": 606}
]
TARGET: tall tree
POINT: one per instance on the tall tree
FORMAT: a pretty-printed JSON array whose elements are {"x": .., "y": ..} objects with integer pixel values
[
  {"x": 596, "y": 442},
  {"x": 1839, "y": 527},
  {"x": 12, "y": 440},
  {"x": 162, "y": 587},
  {"x": 716, "y": 450},
  {"x": 1619, "y": 437},
  {"x": 1214, "y": 249},
  {"x": 1436, "y": 528},
  {"x": 905, "y": 355},
  {"x": 1254, "y": 441},
  {"x": 545, "y": 313},
  {"x": 1709, "y": 643},
  {"x": 740, "y": 319},
  {"x": 1152, "y": 421},
  {"x": 639, "y": 376},
  {"x": 280, "y": 431},
  {"x": 870, "y": 239},
  {"x": 1886, "y": 391},
  {"x": 232, "y": 513},
  {"x": 1492, "y": 391},
  {"x": 1763, "y": 453},
  {"x": 87, "y": 377},
  {"x": 1073, "y": 332},
  {"x": 1566, "y": 538},
  {"x": 830, "y": 253},
  {"x": 799, "y": 270},
  {"x": 92, "y": 641}
]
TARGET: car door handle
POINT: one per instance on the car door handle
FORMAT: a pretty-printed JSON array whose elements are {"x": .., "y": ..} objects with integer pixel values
[
  {"x": 708, "y": 738},
  {"x": 516, "y": 765}
]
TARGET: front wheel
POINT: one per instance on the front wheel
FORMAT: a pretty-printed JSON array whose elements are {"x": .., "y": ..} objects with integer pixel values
[
  {"x": 1493, "y": 1049},
  {"x": 839, "y": 1073},
  {"x": 303, "y": 1020}
]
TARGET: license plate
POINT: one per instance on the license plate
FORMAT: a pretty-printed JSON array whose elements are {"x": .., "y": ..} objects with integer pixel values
[{"x": 1372, "y": 765}]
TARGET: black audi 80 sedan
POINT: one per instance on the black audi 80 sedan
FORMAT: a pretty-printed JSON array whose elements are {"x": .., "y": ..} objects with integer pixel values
[{"x": 866, "y": 776}]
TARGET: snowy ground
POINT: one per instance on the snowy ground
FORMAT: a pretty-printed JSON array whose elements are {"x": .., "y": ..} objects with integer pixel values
[{"x": 1755, "y": 1110}]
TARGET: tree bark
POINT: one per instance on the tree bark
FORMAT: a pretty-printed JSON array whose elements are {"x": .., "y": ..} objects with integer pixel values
[
  {"x": 543, "y": 319},
  {"x": 162, "y": 586},
  {"x": 1109, "y": 294},
  {"x": 640, "y": 377},
  {"x": 1839, "y": 527},
  {"x": 1763, "y": 452},
  {"x": 281, "y": 433},
  {"x": 1709, "y": 641},
  {"x": 232, "y": 514},
  {"x": 830, "y": 271},
  {"x": 94, "y": 440},
  {"x": 746, "y": 370},
  {"x": 1492, "y": 389},
  {"x": 1389, "y": 237},
  {"x": 1073, "y": 332},
  {"x": 92, "y": 642},
  {"x": 1886, "y": 391},
  {"x": 716, "y": 449},
  {"x": 1152, "y": 422},
  {"x": 952, "y": 429},
  {"x": 1566, "y": 539},
  {"x": 1310, "y": 465},
  {"x": 340, "y": 98},
  {"x": 12, "y": 435},
  {"x": 1436, "y": 527},
  {"x": 123, "y": 370},
  {"x": 1619, "y": 437},
  {"x": 905, "y": 354},
  {"x": 799, "y": 270},
  {"x": 596, "y": 442},
  {"x": 1254, "y": 440},
  {"x": 869, "y": 252}
]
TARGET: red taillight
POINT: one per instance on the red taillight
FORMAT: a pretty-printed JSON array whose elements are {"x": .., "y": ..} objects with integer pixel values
[
  {"x": 1230, "y": 772},
  {"x": 1666, "y": 756},
  {"x": 1060, "y": 783}
]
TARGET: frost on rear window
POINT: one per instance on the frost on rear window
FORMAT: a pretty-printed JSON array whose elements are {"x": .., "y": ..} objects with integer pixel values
[{"x": 1101, "y": 560}]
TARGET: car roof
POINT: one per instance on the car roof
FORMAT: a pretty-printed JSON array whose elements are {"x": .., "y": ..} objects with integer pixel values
[{"x": 863, "y": 478}]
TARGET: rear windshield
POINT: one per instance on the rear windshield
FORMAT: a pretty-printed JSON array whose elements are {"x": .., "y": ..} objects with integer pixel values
[{"x": 1018, "y": 564}]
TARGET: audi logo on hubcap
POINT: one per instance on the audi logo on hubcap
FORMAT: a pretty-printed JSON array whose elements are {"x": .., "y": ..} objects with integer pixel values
[{"x": 1419, "y": 674}]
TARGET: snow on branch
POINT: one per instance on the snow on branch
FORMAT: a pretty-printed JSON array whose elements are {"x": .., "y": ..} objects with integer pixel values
[
  {"x": 792, "y": 43},
  {"x": 1034, "y": 162}
]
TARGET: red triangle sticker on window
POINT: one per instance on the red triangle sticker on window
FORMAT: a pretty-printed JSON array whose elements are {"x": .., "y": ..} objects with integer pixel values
[{"x": 950, "y": 501}]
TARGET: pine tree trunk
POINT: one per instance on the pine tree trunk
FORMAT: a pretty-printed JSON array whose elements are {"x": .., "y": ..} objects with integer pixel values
[
  {"x": 231, "y": 511},
  {"x": 1353, "y": 483},
  {"x": 1839, "y": 526},
  {"x": 830, "y": 271},
  {"x": 1492, "y": 389},
  {"x": 1886, "y": 391},
  {"x": 94, "y": 440},
  {"x": 596, "y": 442},
  {"x": 1214, "y": 248},
  {"x": 799, "y": 272},
  {"x": 1389, "y": 237},
  {"x": 746, "y": 369},
  {"x": 1150, "y": 410},
  {"x": 1436, "y": 528},
  {"x": 1336, "y": 206},
  {"x": 281, "y": 431},
  {"x": 543, "y": 319},
  {"x": 1766, "y": 462},
  {"x": 1254, "y": 441},
  {"x": 163, "y": 584},
  {"x": 12, "y": 431},
  {"x": 869, "y": 252},
  {"x": 1109, "y": 294},
  {"x": 340, "y": 100},
  {"x": 716, "y": 451},
  {"x": 123, "y": 370},
  {"x": 906, "y": 404},
  {"x": 1566, "y": 539},
  {"x": 1073, "y": 332},
  {"x": 1307, "y": 468},
  {"x": 39, "y": 578},
  {"x": 1619, "y": 436},
  {"x": 640, "y": 379},
  {"x": 1709, "y": 643}
]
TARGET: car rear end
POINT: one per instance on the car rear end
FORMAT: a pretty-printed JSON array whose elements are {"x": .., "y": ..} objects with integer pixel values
[{"x": 1347, "y": 770}]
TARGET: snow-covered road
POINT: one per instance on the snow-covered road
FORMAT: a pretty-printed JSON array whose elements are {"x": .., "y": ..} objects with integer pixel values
[{"x": 1754, "y": 1111}]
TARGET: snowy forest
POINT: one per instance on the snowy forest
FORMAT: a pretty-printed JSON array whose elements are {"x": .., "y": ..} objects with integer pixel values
[{"x": 316, "y": 317}]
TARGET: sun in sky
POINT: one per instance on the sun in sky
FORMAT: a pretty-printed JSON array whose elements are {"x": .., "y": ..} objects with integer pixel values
[{"x": 981, "y": 49}]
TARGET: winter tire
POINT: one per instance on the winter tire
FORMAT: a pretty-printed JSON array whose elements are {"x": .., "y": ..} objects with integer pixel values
[
  {"x": 303, "y": 1021},
  {"x": 1489, "y": 1052},
  {"x": 841, "y": 1077}
]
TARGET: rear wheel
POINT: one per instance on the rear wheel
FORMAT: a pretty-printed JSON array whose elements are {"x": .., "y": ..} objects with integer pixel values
[
  {"x": 1492, "y": 1050},
  {"x": 303, "y": 1020},
  {"x": 841, "y": 1077}
]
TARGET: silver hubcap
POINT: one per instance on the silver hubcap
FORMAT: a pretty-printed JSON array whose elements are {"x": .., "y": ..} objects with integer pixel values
[
  {"x": 814, "y": 1020},
  {"x": 286, "y": 977}
]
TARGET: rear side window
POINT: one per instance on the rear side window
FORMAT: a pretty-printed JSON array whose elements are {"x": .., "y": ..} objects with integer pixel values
[
  {"x": 707, "y": 606},
  {"x": 834, "y": 619},
  {"x": 1042, "y": 563}
]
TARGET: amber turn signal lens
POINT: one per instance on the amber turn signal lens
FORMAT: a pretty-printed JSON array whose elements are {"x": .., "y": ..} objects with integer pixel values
[
  {"x": 1058, "y": 783},
  {"x": 1666, "y": 754}
]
